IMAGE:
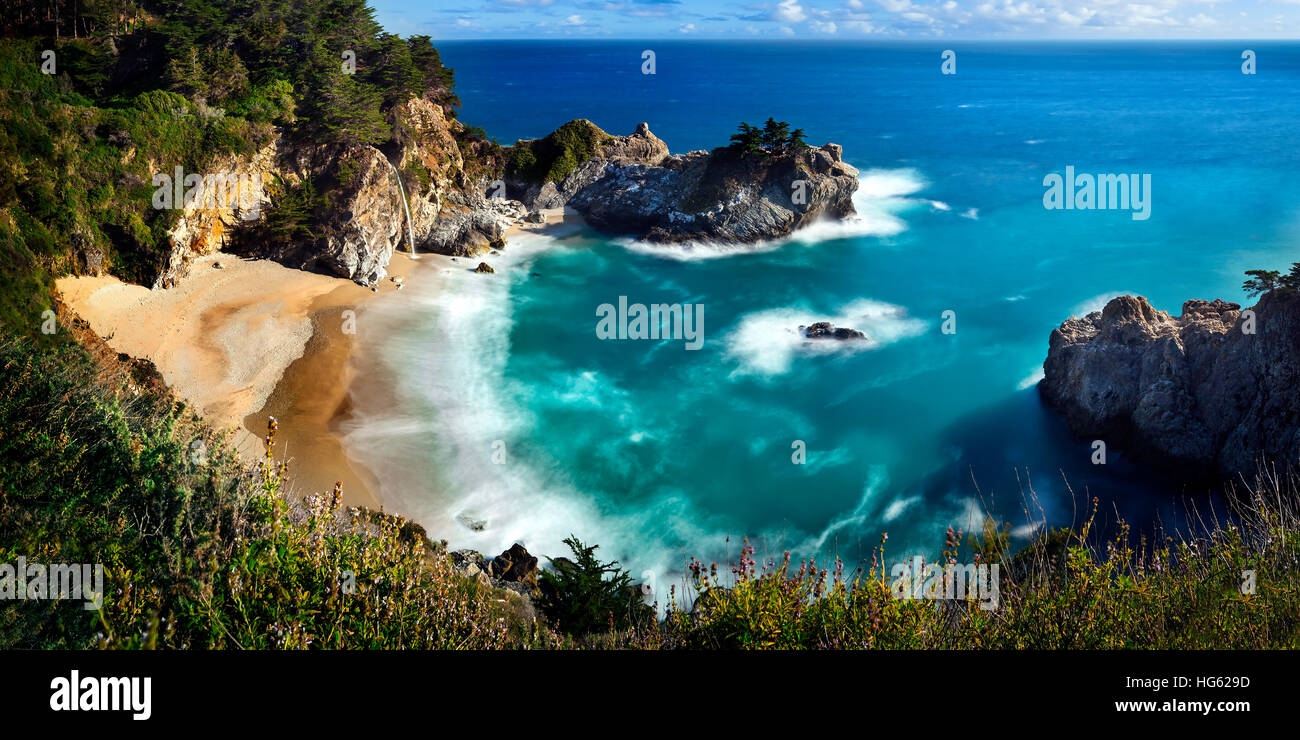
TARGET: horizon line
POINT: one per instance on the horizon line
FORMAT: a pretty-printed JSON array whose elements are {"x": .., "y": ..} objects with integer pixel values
[{"x": 773, "y": 40}]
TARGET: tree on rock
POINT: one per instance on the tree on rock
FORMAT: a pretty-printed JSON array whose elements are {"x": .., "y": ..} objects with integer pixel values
[
  {"x": 749, "y": 139},
  {"x": 776, "y": 135}
]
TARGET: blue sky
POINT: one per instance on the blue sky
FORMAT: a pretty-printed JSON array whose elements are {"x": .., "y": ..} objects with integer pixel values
[{"x": 845, "y": 19}]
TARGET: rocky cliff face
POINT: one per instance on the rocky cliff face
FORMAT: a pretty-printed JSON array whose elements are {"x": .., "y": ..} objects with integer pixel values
[
  {"x": 633, "y": 186},
  {"x": 624, "y": 184},
  {"x": 365, "y": 221},
  {"x": 1197, "y": 392},
  {"x": 205, "y": 227}
]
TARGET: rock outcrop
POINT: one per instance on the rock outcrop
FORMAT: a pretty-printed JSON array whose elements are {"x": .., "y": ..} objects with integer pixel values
[
  {"x": 206, "y": 224},
  {"x": 825, "y": 330},
  {"x": 1213, "y": 390},
  {"x": 627, "y": 185},
  {"x": 363, "y": 220},
  {"x": 515, "y": 565},
  {"x": 634, "y": 186}
]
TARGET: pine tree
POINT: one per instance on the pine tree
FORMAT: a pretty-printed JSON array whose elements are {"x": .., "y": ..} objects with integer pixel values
[
  {"x": 749, "y": 140},
  {"x": 341, "y": 108},
  {"x": 185, "y": 75},
  {"x": 776, "y": 135},
  {"x": 797, "y": 141},
  {"x": 585, "y": 595},
  {"x": 1261, "y": 281}
]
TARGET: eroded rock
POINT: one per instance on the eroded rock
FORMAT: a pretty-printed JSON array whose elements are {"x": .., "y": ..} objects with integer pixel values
[{"x": 1193, "y": 392}]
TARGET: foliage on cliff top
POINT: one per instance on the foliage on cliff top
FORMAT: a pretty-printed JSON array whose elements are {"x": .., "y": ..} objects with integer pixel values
[
  {"x": 76, "y": 179},
  {"x": 142, "y": 88},
  {"x": 555, "y": 156},
  {"x": 1264, "y": 281},
  {"x": 775, "y": 138}
]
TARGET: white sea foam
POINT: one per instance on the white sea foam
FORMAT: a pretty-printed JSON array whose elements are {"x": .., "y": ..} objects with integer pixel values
[
  {"x": 877, "y": 481},
  {"x": 897, "y": 507},
  {"x": 1097, "y": 302},
  {"x": 881, "y": 197},
  {"x": 441, "y": 351},
  {"x": 767, "y": 342},
  {"x": 1031, "y": 380}
]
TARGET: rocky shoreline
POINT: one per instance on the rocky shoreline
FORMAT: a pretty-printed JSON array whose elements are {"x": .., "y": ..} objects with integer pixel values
[
  {"x": 463, "y": 200},
  {"x": 1212, "y": 391}
]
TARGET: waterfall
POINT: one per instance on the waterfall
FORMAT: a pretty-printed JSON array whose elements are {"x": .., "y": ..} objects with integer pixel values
[{"x": 410, "y": 231}]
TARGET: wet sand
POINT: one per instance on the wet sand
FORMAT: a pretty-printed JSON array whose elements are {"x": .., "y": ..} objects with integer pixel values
[{"x": 243, "y": 342}]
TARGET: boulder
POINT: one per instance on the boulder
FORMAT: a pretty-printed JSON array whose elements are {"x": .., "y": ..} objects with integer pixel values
[
  {"x": 1195, "y": 393},
  {"x": 515, "y": 565}
]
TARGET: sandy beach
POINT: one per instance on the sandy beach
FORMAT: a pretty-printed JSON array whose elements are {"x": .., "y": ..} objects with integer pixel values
[{"x": 242, "y": 340}]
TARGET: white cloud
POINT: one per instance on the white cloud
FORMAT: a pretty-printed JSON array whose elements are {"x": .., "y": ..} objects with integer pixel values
[
  {"x": 824, "y": 27},
  {"x": 686, "y": 28},
  {"x": 789, "y": 11},
  {"x": 573, "y": 20}
]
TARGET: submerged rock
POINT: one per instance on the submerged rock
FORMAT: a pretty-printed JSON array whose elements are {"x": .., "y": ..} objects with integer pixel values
[
  {"x": 475, "y": 525},
  {"x": 824, "y": 330},
  {"x": 1198, "y": 392}
]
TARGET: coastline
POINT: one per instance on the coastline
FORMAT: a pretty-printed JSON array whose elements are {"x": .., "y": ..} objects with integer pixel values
[{"x": 244, "y": 341}]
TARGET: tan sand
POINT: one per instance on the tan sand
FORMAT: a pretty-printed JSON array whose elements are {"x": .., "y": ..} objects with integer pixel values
[
  {"x": 254, "y": 339},
  {"x": 243, "y": 342},
  {"x": 554, "y": 217}
]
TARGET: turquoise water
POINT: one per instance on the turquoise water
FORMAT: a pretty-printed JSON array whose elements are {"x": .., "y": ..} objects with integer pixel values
[{"x": 659, "y": 453}]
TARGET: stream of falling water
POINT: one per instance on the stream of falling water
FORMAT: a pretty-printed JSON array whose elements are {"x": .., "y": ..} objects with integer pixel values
[{"x": 410, "y": 232}]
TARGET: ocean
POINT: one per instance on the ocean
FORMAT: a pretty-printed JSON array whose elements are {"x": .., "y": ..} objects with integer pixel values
[{"x": 505, "y": 410}]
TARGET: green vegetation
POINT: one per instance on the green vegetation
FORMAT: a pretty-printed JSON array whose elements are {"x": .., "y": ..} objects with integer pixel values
[
  {"x": 583, "y": 595},
  {"x": 101, "y": 466},
  {"x": 774, "y": 139},
  {"x": 555, "y": 157},
  {"x": 141, "y": 87},
  {"x": 1264, "y": 281},
  {"x": 198, "y": 552},
  {"x": 1069, "y": 589}
]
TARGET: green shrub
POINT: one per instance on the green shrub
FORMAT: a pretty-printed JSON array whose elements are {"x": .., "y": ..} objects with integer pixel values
[{"x": 555, "y": 157}]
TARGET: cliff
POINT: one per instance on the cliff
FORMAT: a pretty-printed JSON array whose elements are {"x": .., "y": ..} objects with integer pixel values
[
  {"x": 1198, "y": 392},
  {"x": 628, "y": 185},
  {"x": 357, "y": 219}
]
